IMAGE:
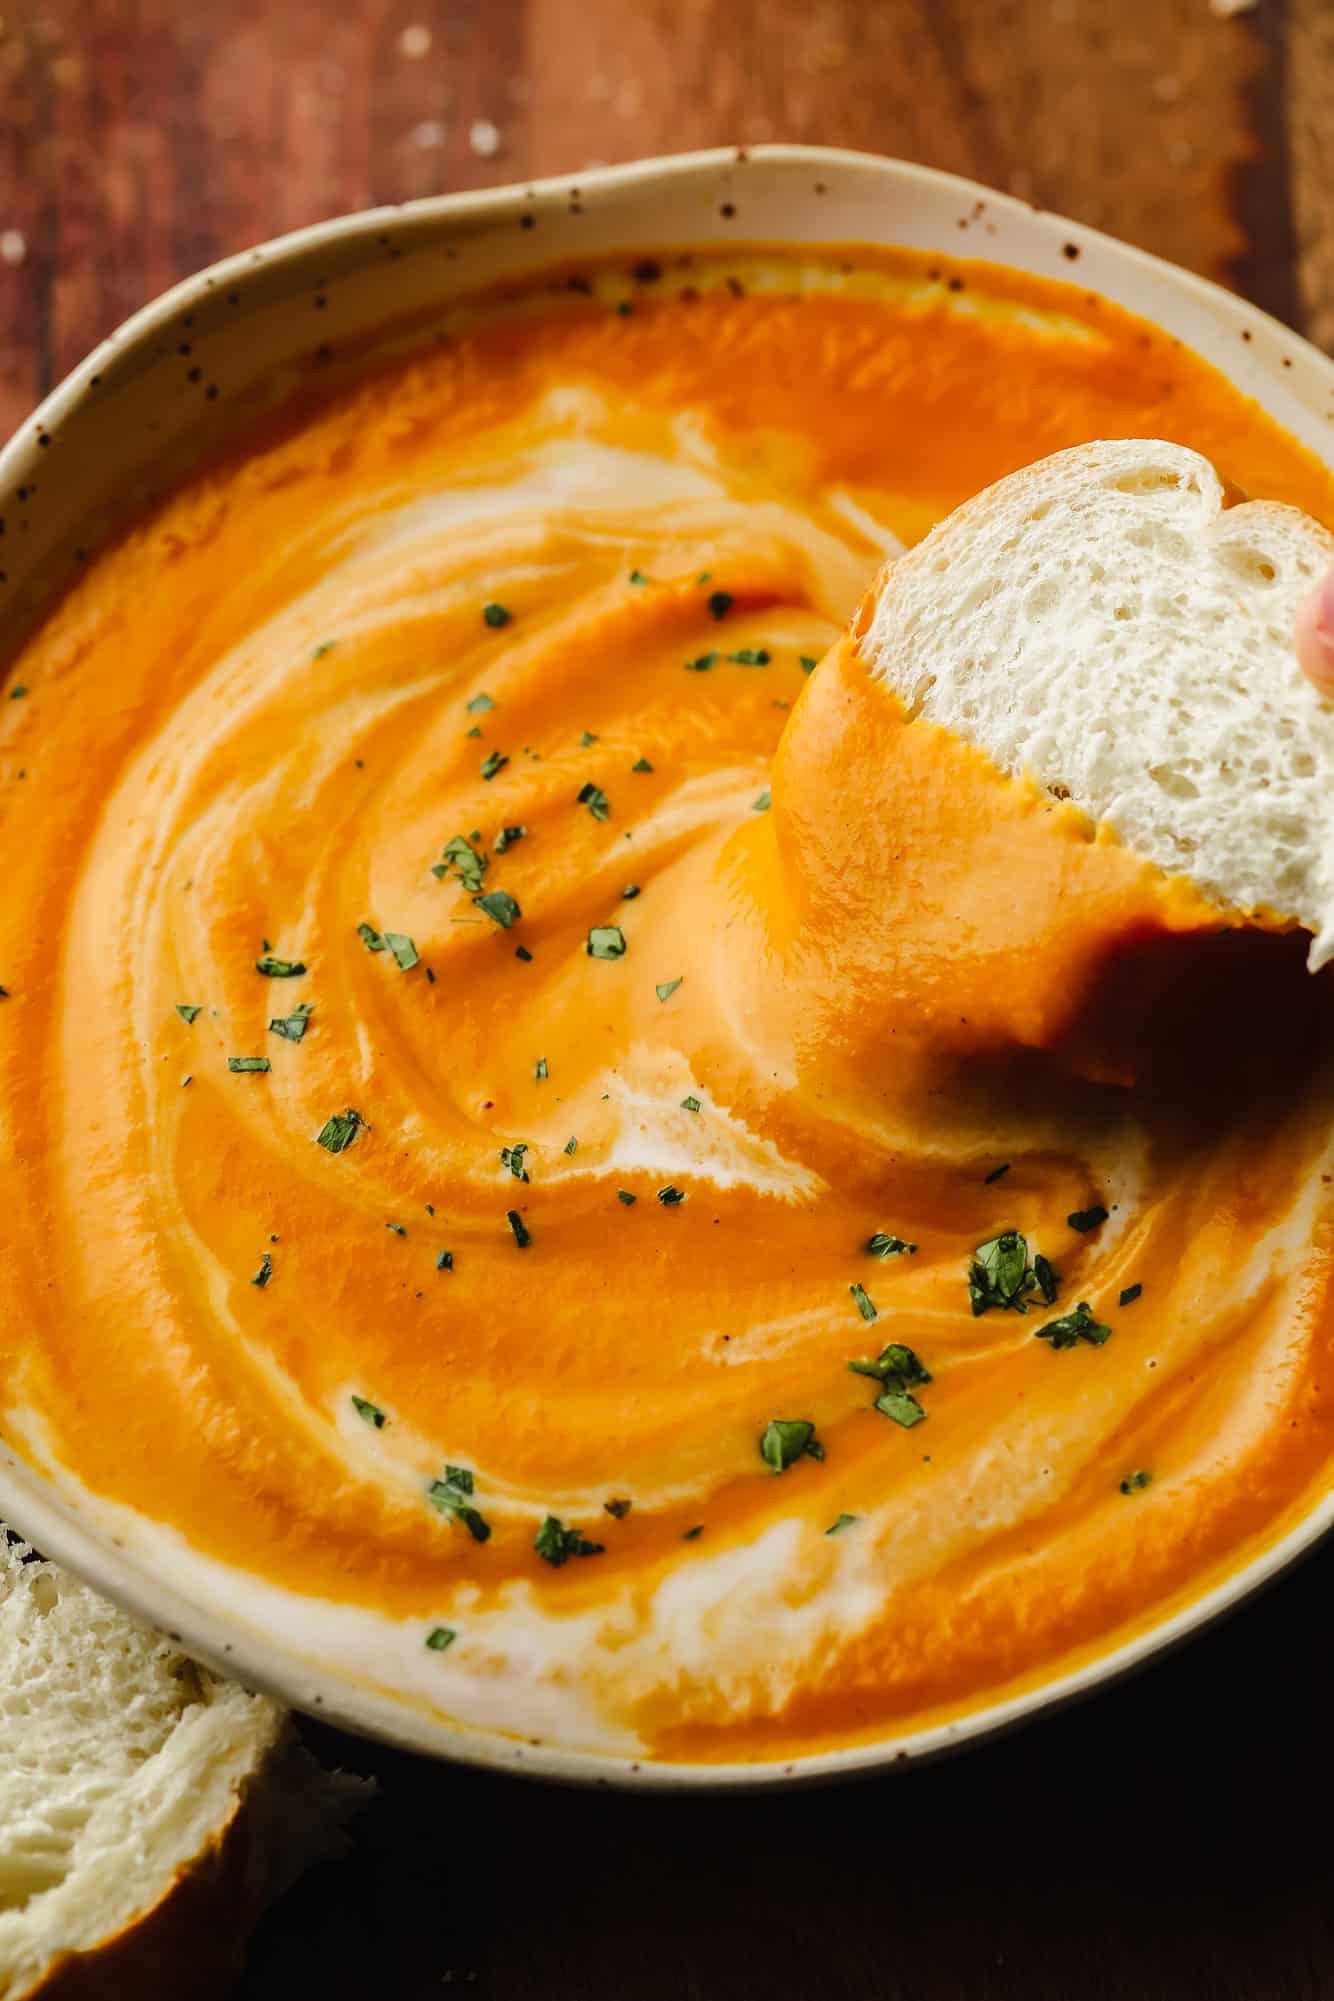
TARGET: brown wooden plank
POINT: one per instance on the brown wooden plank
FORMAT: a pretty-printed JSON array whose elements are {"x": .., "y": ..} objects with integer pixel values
[{"x": 1310, "y": 133}]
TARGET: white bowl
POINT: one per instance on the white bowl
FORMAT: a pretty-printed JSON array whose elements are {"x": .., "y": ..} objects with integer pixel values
[{"x": 192, "y": 369}]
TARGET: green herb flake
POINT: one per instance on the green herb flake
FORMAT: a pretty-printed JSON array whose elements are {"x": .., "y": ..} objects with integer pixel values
[
  {"x": 630, "y": 892},
  {"x": 1136, "y": 1482},
  {"x": 369, "y": 1413},
  {"x": 496, "y": 615},
  {"x": 17, "y": 694},
  {"x": 406, "y": 955},
  {"x": 339, "y": 1130},
  {"x": 325, "y": 646},
  {"x": 702, "y": 663},
  {"x": 440, "y": 1637},
  {"x": 399, "y": 1229},
  {"x": 370, "y": 937},
  {"x": 279, "y": 969},
  {"x": 641, "y": 764},
  {"x": 690, "y": 1104},
  {"x": 638, "y": 577},
  {"x": 619, "y": 1509},
  {"x": 466, "y": 863},
  {"x": 188, "y": 1011},
  {"x": 596, "y": 801},
  {"x": 586, "y": 739},
  {"x": 843, "y": 1522},
  {"x": 763, "y": 803},
  {"x": 996, "y": 1174},
  {"x": 513, "y": 1158},
  {"x": 883, "y": 1245},
  {"x": 671, "y": 1198},
  {"x": 571, "y": 1145},
  {"x": 522, "y": 1236},
  {"x": 522, "y": 952},
  {"x": 444, "y": 1261},
  {"x": 787, "y": 1439},
  {"x": 507, "y": 837},
  {"x": 901, "y": 1407},
  {"x": 1087, "y": 1219},
  {"x": 265, "y": 1272},
  {"x": 807, "y": 662},
  {"x": 1130, "y": 1294},
  {"x": 556, "y": 1544},
  {"x": 897, "y": 1366},
  {"x": 865, "y": 1304},
  {"x": 668, "y": 988},
  {"x": 750, "y": 656},
  {"x": 292, "y": 1027},
  {"x": 474, "y": 731},
  {"x": 479, "y": 705},
  {"x": 1001, "y": 1275},
  {"x": 248, "y": 1065},
  {"x": 540, "y": 1071},
  {"x": 693, "y": 1535},
  {"x": 502, "y": 908},
  {"x": 451, "y": 1501},
  {"x": 624, "y": 1195},
  {"x": 460, "y": 1477},
  {"x": 1074, "y": 1327},
  {"x": 720, "y": 603},
  {"x": 493, "y": 762},
  {"x": 606, "y": 941}
]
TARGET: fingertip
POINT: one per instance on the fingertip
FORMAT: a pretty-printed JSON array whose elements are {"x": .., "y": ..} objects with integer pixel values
[{"x": 1315, "y": 635}]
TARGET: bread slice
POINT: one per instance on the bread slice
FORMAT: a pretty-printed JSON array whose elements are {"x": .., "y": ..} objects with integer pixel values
[
  {"x": 148, "y": 1811},
  {"x": 1103, "y": 623}
]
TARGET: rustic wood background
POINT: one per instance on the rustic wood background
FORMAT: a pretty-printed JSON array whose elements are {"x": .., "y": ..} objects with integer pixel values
[{"x": 1155, "y": 1844}]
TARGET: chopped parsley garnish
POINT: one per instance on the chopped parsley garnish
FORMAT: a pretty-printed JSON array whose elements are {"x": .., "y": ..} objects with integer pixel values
[
  {"x": 1072, "y": 1327},
  {"x": 370, "y": 1413},
  {"x": 339, "y": 1130},
  {"x": 399, "y": 1229},
  {"x": 466, "y": 863},
  {"x": 596, "y": 801},
  {"x": 882, "y": 1245},
  {"x": 522, "y": 1236},
  {"x": 690, "y": 1104},
  {"x": 513, "y": 1158},
  {"x": 522, "y": 952},
  {"x": 619, "y": 1509},
  {"x": 667, "y": 988},
  {"x": 370, "y": 937},
  {"x": 1136, "y": 1482},
  {"x": 787, "y": 1439},
  {"x": 638, "y": 577},
  {"x": 444, "y": 1261},
  {"x": 502, "y": 908},
  {"x": 624, "y": 1195},
  {"x": 493, "y": 762},
  {"x": 17, "y": 694},
  {"x": 1087, "y": 1219},
  {"x": 995, "y": 1174},
  {"x": 1001, "y": 1275},
  {"x": 670, "y": 1197},
  {"x": 763, "y": 802},
  {"x": 507, "y": 837},
  {"x": 692, "y": 1535},
  {"x": 865, "y": 1304},
  {"x": 187, "y": 1010},
  {"x": 479, "y": 705},
  {"x": 540, "y": 1071},
  {"x": 265, "y": 1272},
  {"x": 496, "y": 615},
  {"x": 808, "y": 662},
  {"x": 556, "y": 1544},
  {"x": 896, "y": 1364},
  {"x": 440, "y": 1637},
  {"x": 630, "y": 892},
  {"x": 571, "y": 1144},
  {"x": 843, "y": 1522},
  {"x": 247, "y": 1063},
  {"x": 293, "y": 1026},
  {"x": 720, "y": 603},
  {"x": 641, "y": 764},
  {"x": 460, "y": 1477},
  {"x": 1130, "y": 1294},
  {"x": 474, "y": 731},
  {"x": 702, "y": 663},
  {"x": 750, "y": 656},
  {"x": 450, "y": 1499},
  {"x": 586, "y": 739},
  {"x": 406, "y": 955},
  {"x": 279, "y": 969},
  {"x": 901, "y": 1407},
  {"x": 606, "y": 941}
]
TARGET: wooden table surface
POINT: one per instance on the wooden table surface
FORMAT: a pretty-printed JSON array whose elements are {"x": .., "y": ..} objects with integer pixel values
[{"x": 1151, "y": 1845}]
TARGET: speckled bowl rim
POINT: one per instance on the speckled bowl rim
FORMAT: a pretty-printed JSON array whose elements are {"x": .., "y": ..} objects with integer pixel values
[{"x": 1288, "y": 376}]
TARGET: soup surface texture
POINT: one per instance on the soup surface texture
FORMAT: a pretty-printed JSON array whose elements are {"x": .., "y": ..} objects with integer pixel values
[{"x": 501, "y": 1010}]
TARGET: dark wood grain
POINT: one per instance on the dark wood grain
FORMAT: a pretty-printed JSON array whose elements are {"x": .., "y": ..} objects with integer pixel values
[{"x": 1163, "y": 1842}]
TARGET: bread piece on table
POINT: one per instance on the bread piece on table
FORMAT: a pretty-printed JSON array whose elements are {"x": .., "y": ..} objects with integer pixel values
[
  {"x": 148, "y": 1811},
  {"x": 1102, "y": 623}
]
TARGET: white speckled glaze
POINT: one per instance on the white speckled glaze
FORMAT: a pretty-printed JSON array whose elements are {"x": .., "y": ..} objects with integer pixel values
[{"x": 192, "y": 370}]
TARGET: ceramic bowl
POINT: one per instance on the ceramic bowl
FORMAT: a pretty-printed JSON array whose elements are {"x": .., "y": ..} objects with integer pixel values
[{"x": 191, "y": 370}]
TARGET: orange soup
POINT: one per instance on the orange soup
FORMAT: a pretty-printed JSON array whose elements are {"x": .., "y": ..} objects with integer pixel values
[{"x": 562, "y": 1153}]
